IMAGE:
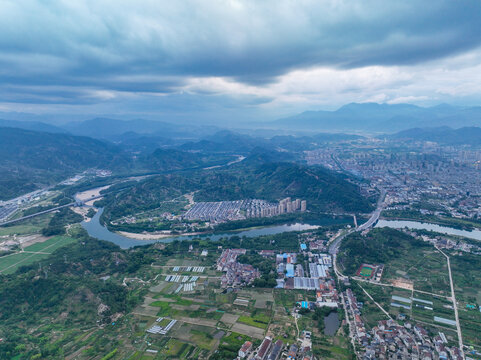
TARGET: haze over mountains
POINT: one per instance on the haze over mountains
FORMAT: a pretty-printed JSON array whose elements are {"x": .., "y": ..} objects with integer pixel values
[
  {"x": 442, "y": 135},
  {"x": 373, "y": 117},
  {"x": 35, "y": 154},
  {"x": 370, "y": 118}
]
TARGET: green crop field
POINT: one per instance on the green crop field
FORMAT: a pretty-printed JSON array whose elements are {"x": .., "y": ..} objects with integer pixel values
[
  {"x": 10, "y": 263},
  {"x": 260, "y": 320},
  {"x": 26, "y": 227},
  {"x": 33, "y": 253},
  {"x": 51, "y": 244}
]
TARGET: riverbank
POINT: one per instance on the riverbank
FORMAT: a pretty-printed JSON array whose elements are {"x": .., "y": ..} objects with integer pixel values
[
  {"x": 160, "y": 236},
  {"x": 84, "y": 196},
  {"x": 456, "y": 223},
  {"x": 154, "y": 236},
  {"x": 400, "y": 224},
  {"x": 97, "y": 230}
]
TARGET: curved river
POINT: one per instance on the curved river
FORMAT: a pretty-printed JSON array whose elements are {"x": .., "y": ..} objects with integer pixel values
[
  {"x": 96, "y": 230},
  {"x": 399, "y": 224}
]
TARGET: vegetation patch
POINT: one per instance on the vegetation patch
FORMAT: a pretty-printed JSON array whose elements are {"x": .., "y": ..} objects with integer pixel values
[{"x": 257, "y": 319}]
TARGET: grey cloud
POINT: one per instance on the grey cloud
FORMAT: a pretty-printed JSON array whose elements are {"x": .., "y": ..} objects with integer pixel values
[
  {"x": 61, "y": 51},
  {"x": 253, "y": 43}
]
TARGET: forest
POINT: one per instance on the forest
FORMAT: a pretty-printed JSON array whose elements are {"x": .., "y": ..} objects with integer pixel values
[
  {"x": 379, "y": 246},
  {"x": 322, "y": 189}
]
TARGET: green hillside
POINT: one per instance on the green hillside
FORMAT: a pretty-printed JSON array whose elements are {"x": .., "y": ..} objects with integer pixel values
[
  {"x": 324, "y": 190},
  {"x": 30, "y": 159}
]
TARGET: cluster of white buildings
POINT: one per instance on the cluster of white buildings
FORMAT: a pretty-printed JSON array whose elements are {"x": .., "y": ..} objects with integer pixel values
[
  {"x": 285, "y": 206},
  {"x": 157, "y": 329},
  {"x": 180, "y": 278},
  {"x": 242, "y": 209},
  {"x": 199, "y": 269}
]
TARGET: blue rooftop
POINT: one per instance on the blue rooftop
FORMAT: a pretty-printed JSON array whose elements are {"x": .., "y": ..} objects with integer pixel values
[{"x": 290, "y": 270}]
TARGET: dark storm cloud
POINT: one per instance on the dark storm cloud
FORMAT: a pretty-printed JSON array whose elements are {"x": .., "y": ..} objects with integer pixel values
[{"x": 154, "y": 46}]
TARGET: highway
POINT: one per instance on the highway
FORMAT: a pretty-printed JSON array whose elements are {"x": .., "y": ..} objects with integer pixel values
[
  {"x": 336, "y": 242},
  {"x": 375, "y": 215},
  {"x": 46, "y": 211},
  {"x": 238, "y": 159},
  {"x": 334, "y": 246},
  {"x": 36, "y": 214}
]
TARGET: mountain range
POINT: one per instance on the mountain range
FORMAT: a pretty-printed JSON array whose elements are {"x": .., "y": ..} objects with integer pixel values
[
  {"x": 32, "y": 159},
  {"x": 112, "y": 129},
  {"x": 442, "y": 135},
  {"x": 385, "y": 118},
  {"x": 352, "y": 118}
]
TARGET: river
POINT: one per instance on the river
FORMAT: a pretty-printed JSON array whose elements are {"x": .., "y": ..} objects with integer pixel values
[
  {"x": 96, "y": 230},
  {"x": 399, "y": 224}
]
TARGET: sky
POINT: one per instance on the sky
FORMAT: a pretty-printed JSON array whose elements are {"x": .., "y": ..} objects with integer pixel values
[{"x": 227, "y": 62}]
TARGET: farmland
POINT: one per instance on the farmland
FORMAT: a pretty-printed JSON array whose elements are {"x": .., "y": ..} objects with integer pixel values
[{"x": 33, "y": 253}]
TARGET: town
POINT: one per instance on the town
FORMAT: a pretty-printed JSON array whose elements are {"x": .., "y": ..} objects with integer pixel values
[{"x": 242, "y": 209}]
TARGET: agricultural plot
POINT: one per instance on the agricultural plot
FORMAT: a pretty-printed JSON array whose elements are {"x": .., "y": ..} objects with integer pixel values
[
  {"x": 10, "y": 263},
  {"x": 426, "y": 308},
  {"x": 33, "y": 253},
  {"x": 257, "y": 319},
  {"x": 51, "y": 244},
  {"x": 283, "y": 326},
  {"x": 466, "y": 272},
  {"x": 426, "y": 269},
  {"x": 177, "y": 349},
  {"x": 29, "y": 226}
]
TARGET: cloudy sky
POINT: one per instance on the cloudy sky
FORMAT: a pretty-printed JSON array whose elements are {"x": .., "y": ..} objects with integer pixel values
[{"x": 229, "y": 61}]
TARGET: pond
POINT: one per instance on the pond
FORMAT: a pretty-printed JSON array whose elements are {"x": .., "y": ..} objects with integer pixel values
[
  {"x": 331, "y": 323},
  {"x": 96, "y": 230}
]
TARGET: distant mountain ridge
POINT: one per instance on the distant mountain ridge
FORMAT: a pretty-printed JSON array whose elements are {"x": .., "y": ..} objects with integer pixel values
[
  {"x": 373, "y": 117},
  {"x": 229, "y": 141},
  {"x": 32, "y": 159},
  {"x": 442, "y": 135},
  {"x": 31, "y": 125},
  {"x": 107, "y": 128}
]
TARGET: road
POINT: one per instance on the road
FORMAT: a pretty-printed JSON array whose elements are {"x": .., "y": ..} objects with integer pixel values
[
  {"x": 351, "y": 327},
  {"x": 375, "y": 215},
  {"x": 238, "y": 159},
  {"x": 336, "y": 242},
  {"x": 375, "y": 302},
  {"x": 36, "y": 214},
  {"x": 455, "y": 305},
  {"x": 357, "y": 278},
  {"x": 47, "y": 211}
]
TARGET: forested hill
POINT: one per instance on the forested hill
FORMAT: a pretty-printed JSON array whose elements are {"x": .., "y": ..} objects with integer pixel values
[
  {"x": 442, "y": 135},
  {"x": 172, "y": 159},
  {"x": 324, "y": 190},
  {"x": 30, "y": 159}
]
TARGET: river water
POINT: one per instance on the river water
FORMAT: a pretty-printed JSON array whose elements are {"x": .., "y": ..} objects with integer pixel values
[
  {"x": 96, "y": 230},
  {"x": 399, "y": 224}
]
